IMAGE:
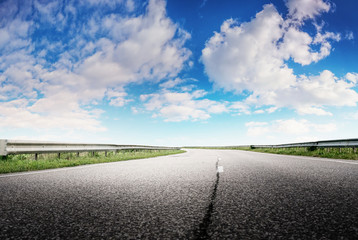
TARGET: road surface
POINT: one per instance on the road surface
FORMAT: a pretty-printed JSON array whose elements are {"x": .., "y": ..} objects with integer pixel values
[{"x": 201, "y": 194}]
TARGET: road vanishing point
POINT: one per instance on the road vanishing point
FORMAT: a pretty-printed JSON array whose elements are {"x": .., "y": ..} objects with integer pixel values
[{"x": 200, "y": 194}]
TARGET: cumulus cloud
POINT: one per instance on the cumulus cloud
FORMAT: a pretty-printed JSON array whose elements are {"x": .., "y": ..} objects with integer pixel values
[
  {"x": 63, "y": 75},
  {"x": 182, "y": 106},
  {"x": 244, "y": 57},
  {"x": 297, "y": 45},
  {"x": 47, "y": 115},
  {"x": 149, "y": 46},
  {"x": 309, "y": 95},
  {"x": 288, "y": 127},
  {"x": 171, "y": 83},
  {"x": 240, "y": 107},
  {"x": 352, "y": 77},
  {"x": 306, "y": 9},
  {"x": 253, "y": 56},
  {"x": 117, "y": 97}
]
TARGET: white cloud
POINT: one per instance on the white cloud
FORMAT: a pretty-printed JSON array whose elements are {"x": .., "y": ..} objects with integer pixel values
[
  {"x": 47, "y": 115},
  {"x": 109, "y": 3},
  {"x": 177, "y": 113},
  {"x": 349, "y": 35},
  {"x": 352, "y": 77},
  {"x": 171, "y": 83},
  {"x": 99, "y": 58},
  {"x": 271, "y": 109},
  {"x": 288, "y": 127},
  {"x": 306, "y": 9},
  {"x": 149, "y": 46},
  {"x": 246, "y": 57},
  {"x": 252, "y": 56},
  {"x": 182, "y": 106},
  {"x": 4, "y": 37},
  {"x": 257, "y": 128},
  {"x": 216, "y": 107},
  {"x": 312, "y": 110},
  {"x": 291, "y": 126},
  {"x": 130, "y": 5},
  {"x": 240, "y": 107},
  {"x": 260, "y": 111},
  {"x": 117, "y": 97},
  {"x": 257, "y": 131},
  {"x": 13, "y": 37},
  {"x": 49, "y": 12},
  {"x": 310, "y": 94},
  {"x": 297, "y": 45},
  {"x": 134, "y": 110}
]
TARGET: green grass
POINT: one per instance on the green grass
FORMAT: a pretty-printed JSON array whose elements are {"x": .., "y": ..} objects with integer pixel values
[
  {"x": 26, "y": 162},
  {"x": 344, "y": 153}
]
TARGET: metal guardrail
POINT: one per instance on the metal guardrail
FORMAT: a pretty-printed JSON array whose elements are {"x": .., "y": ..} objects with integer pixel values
[
  {"x": 219, "y": 147},
  {"x": 37, "y": 147},
  {"x": 343, "y": 143}
]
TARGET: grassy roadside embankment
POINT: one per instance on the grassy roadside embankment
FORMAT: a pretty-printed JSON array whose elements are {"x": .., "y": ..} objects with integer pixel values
[
  {"x": 344, "y": 153},
  {"x": 336, "y": 153},
  {"x": 26, "y": 162}
]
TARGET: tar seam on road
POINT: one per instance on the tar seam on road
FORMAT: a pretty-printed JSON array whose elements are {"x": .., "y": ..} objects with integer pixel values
[{"x": 202, "y": 231}]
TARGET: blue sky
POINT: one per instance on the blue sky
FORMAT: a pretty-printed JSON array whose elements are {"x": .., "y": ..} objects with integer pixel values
[{"x": 193, "y": 72}]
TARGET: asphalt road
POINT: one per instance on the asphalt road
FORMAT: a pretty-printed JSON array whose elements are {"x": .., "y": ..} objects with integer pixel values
[{"x": 201, "y": 194}]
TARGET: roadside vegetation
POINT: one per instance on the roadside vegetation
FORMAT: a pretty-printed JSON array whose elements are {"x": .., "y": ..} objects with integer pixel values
[
  {"x": 27, "y": 162},
  {"x": 343, "y": 153},
  {"x": 336, "y": 153}
]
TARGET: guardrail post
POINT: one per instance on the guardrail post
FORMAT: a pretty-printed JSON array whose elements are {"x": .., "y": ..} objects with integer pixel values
[
  {"x": 105, "y": 153},
  {"x": 36, "y": 156},
  {"x": 92, "y": 154},
  {"x": 59, "y": 155},
  {"x": 3, "y": 144},
  {"x": 78, "y": 154}
]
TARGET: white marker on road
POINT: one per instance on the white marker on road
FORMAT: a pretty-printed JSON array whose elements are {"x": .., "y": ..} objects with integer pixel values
[{"x": 220, "y": 169}]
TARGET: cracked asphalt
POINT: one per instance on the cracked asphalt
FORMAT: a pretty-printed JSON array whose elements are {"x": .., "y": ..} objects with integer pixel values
[{"x": 257, "y": 196}]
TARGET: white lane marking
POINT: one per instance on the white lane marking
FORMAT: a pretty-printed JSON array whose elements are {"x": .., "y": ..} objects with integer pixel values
[{"x": 220, "y": 169}]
